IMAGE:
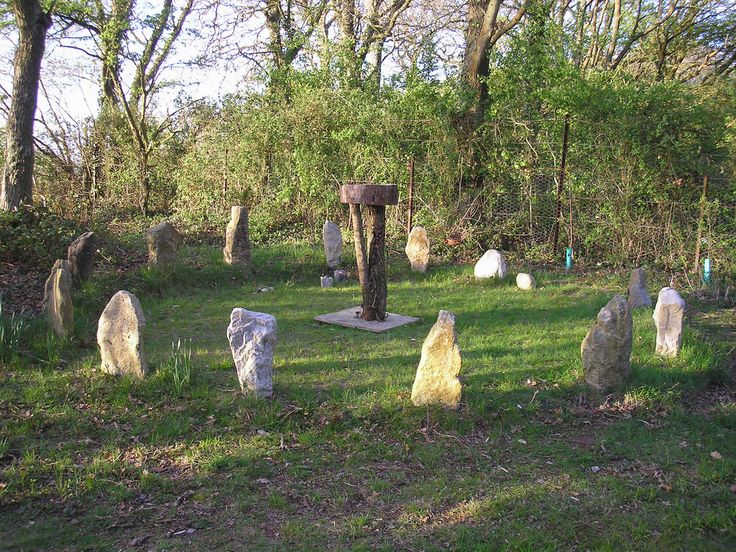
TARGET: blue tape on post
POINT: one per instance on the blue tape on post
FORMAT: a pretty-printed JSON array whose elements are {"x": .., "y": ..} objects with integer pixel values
[
  {"x": 706, "y": 271},
  {"x": 568, "y": 258}
]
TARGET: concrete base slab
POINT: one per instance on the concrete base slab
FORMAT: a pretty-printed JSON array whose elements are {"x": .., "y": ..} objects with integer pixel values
[{"x": 349, "y": 319}]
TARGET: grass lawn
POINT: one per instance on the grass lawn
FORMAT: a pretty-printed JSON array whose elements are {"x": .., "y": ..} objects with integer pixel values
[{"x": 339, "y": 459}]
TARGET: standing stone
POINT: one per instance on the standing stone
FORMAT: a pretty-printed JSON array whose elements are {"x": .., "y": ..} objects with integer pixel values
[
  {"x": 332, "y": 238},
  {"x": 417, "y": 249},
  {"x": 252, "y": 337},
  {"x": 119, "y": 336},
  {"x": 491, "y": 265},
  {"x": 237, "y": 244},
  {"x": 437, "y": 380},
  {"x": 606, "y": 350},
  {"x": 525, "y": 281},
  {"x": 325, "y": 281},
  {"x": 340, "y": 275},
  {"x": 57, "y": 299},
  {"x": 163, "y": 243},
  {"x": 638, "y": 292},
  {"x": 668, "y": 316},
  {"x": 82, "y": 254}
]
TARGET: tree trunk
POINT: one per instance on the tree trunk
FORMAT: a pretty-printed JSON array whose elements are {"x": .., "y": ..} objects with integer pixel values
[
  {"x": 17, "y": 181},
  {"x": 377, "y": 288}
]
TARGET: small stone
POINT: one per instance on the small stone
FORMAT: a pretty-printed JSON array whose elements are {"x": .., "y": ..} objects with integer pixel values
[
  {"x": 638, "y": 292},
  {"x": 332, "y": 238},
  {"x": 595, "y": 469},
  {"x": 163, "y": 243},
  {"x": 57, "y": 299},
  {"x": 325, "y": 281},
  {"x": 525, "y": 281},
  {"x": 417, "y": 249},
  {"x": 606, "y": 349},
  {"x": 120, "y": 335},
  {"x": 668, "y": 317},
  {"x": 437, "y": 380},
  {"x": 237, "y": 243},
  {"x": 82, "y": 254},
  {"x": 340, "y": 275},
  {"x": 491, "y": 265},
  {"x": 252, "y": 337}
]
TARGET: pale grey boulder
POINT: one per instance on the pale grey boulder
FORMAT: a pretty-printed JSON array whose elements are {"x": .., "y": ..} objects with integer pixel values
[
  {"x": 668, "y": 317},
  {"x": 120, "y": 336},
  {"x": 525, "y": 281},
  {"x": 332, "y": 238},
  {"x": 417, "y": 249},
  {"x": 57, "y": 299},
  {"x": 252, "y": 337},
  {"x": 163, "y": 244},
  {"x": 606, "y": 349},
  {"x": 638, "y": 292},
  {"x": 491, "y": 265},
  {"x": 237, "y": 242}
]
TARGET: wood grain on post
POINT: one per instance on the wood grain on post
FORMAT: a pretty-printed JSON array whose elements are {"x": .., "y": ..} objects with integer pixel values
[{"x": 369, "y": 194}]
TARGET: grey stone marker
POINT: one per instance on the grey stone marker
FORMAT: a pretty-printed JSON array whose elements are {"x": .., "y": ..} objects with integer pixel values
[
  {"x": 490, "y": 265},
  {"x": 332, "y": 238},
  {"x": 252, "y": 337},
  {"x": 668, "y": 316},
  {"x": 237, "y": 243},
  {"x": 82, "y": 254},
  {"x": 325, "y": 281},
  {"x": 417, "y": 249},
  {"x": 638, "y": 292},
  {"x": 57, "y": 299},
  {"x": 120, "y": 336},
  {"x": 525, "y": 281},
  {"x": 437, "y": 380},
  {"x": 163, "y": 243},
  {"x": 606, "y": 350}
]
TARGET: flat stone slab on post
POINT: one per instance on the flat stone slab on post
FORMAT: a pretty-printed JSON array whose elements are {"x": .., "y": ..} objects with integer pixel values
[
  {"x": 369, "y": 194},
  {"x": 349, "y": 318}
]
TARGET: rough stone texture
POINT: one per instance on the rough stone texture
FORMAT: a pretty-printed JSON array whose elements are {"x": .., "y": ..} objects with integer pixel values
[
  {"x": 638, "y": 292},
  {"x": 120, "y": 336},
  {"x": 437, "y": 380},
  {"x": 332, "y": 238},
  {"x": 237, "y": 243},
  {"x": 606, "y": 350},
  {"x": 57, "y": 299},
  {"x": 525, "y": 281},
  {"x": 163, "y": 242},
  {"x": 82, "y": 254},
  {"x": 252, "y": 337},
  {"x": 491, "y": 265},
  {"x": 668, "y": 316},
  {"x": 340, "y": 275},
  {"x": 417, "y": 249},
  {"x": 325, "y": 281}
]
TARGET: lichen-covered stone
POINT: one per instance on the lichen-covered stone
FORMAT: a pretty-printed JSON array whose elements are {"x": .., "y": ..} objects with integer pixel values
[
  {"x": 332, "y": 238},
  {"x": 638, "y": 292},
  {"x": 606, "y": 349},
  {"x": 163, "y": 244},
  {"x": 82, "y": 254},
  {"x": 417, "y": 249},
  {"x": 237, "y": 243},
  {"x": 252, "y": 337},
  {"x": 120, "y": 336},
  {"x": 668, "y": 317},
  {"x": 437, "y": 380},
  {"x": 57, "y": 299}
]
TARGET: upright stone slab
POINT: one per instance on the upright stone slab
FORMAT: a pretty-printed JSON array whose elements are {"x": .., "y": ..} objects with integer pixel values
[
  {"x": 82, "y": 254},
  {"x": 417, "y": 249},
  {"x": 252, "y": 337},
  {"x": 120, "y": 336},
  {"x": 525, "y": 281},
  {"x": 668, "y": 316},
  {"x": 237, "y": 244},
  {"x": 606, "y": 350},
  {"x": 332, "y": 238},
  {"x": 437, "y": 380},
  {"x": 163, "y": 243},
  {"x": 57, "y": 299},
  {"x": 491, "y": 265},
  {"x": 638, "y": 292}
]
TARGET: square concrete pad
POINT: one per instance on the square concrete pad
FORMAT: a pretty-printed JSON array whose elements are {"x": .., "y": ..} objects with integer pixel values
[{"x": 348, "y": 319}]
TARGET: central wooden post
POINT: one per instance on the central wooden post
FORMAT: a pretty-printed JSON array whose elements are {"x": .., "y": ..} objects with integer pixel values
[{"x": 371, "y": 267}]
